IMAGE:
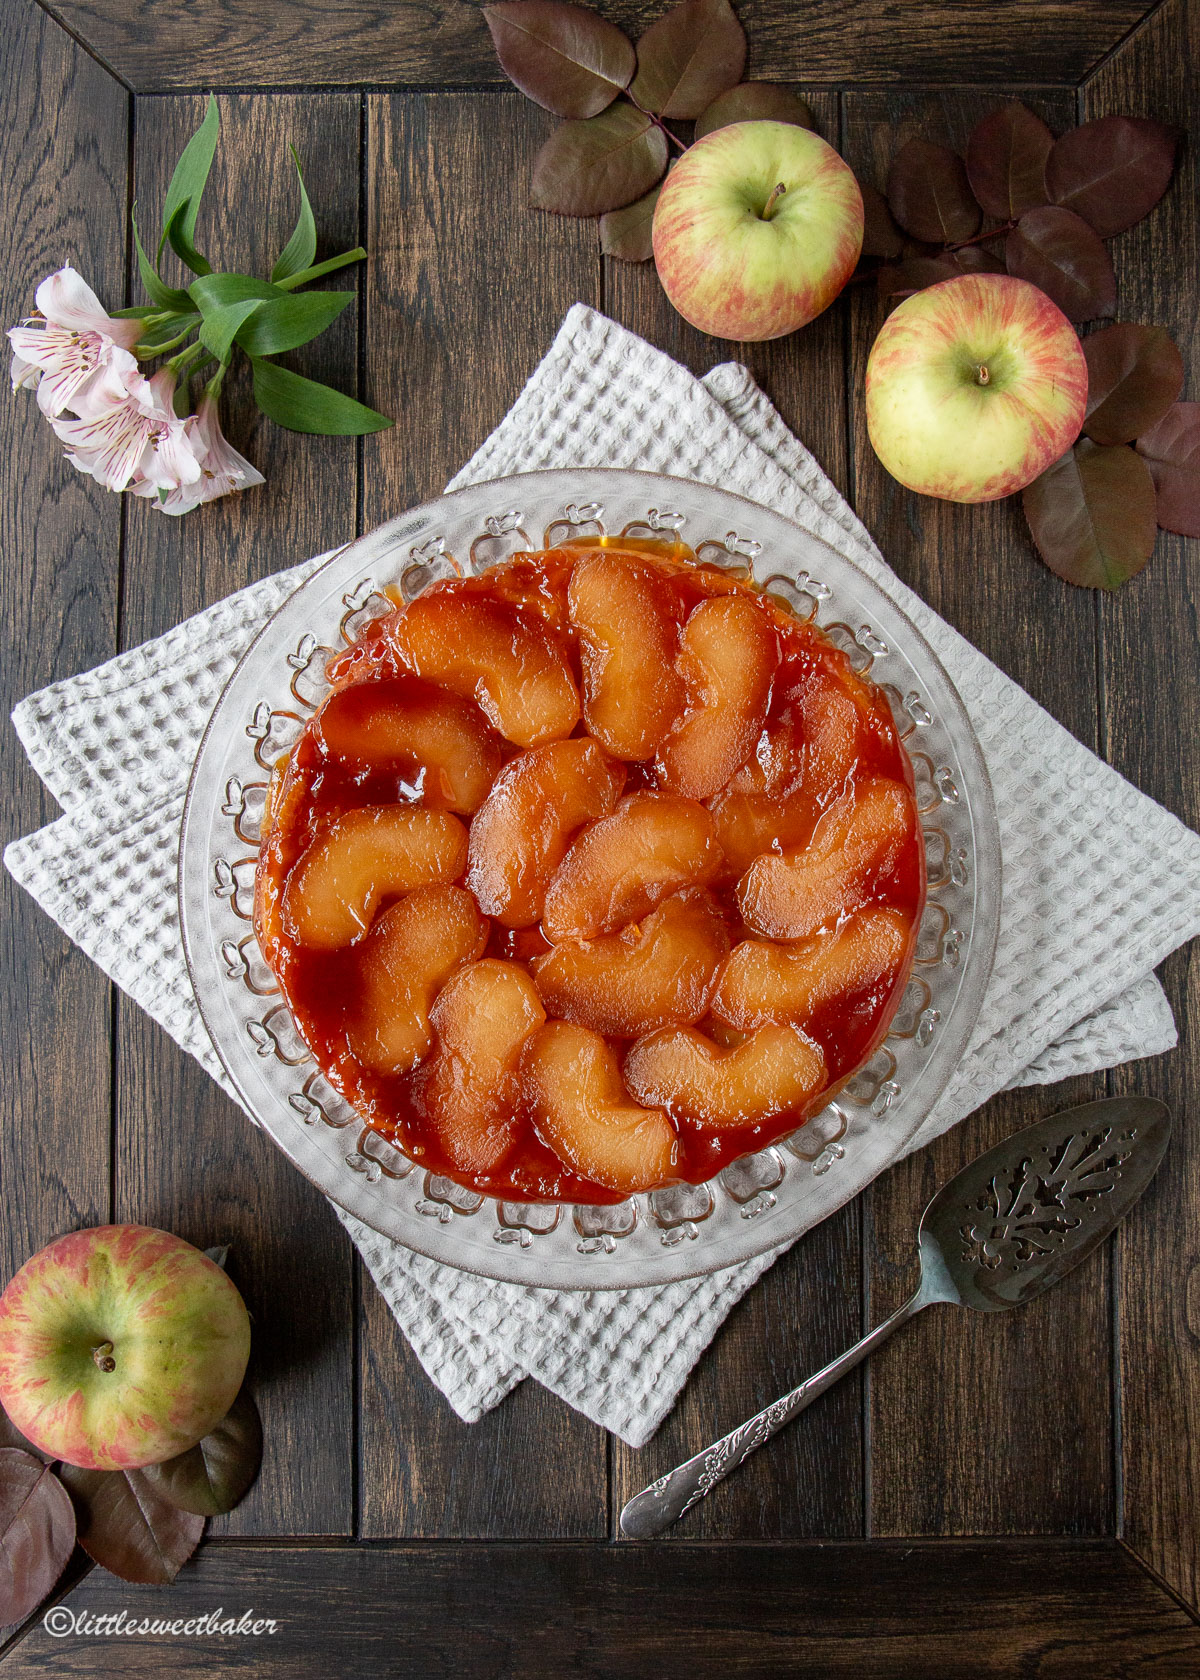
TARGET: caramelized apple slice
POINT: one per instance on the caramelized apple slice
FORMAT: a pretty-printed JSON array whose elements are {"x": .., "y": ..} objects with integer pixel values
[
  {"x": 727, "y": 659},
  {"x": 582, "y": 1112},
  {"x": 862, "y": 835},
  {"x": 763, "y": 981},
  {"x": 418, "y": 730},
  {"x": 370, "y": 854},
  {"x": 402, "y": 964},
  {"x": 521, "y": 833},
  {"x": 749, "y": 824},
  {"x": 624, "y": 865},
  {"x": 776, "y": 1071},
  {"x": 495, "y": 654},
  {"x": 481, "y": 1019},
  {"x": 631, "y": 691},
  {"x": 654, "y": 974}
]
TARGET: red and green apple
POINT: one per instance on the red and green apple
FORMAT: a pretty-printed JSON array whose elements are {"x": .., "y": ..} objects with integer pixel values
[
  {"x": 120, "y": 1346},
  {"x": 756, "y": 230},
  {"x": 974, "y": 387}
]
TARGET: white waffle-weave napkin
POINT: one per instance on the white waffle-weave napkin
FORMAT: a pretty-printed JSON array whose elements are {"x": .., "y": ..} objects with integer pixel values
[{"x": 1100, "y": 883}]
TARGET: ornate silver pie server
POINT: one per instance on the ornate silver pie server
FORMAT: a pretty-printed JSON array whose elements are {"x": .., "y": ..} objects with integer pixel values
[{"x": 1008, "y": 1226}]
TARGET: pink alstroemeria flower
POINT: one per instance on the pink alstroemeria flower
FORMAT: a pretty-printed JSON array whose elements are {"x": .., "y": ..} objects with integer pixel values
[
  {"x": 222, "y": 469},
  {"x": 76, "y": 344},
  {"x": 135, "y": 438}
]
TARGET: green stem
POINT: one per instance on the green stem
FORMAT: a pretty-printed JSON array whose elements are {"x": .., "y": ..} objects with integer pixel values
[
  {"x": 147, "y": 352},
  {"x": 186, "y": 357},
  {"x": 327, "y": 267}
]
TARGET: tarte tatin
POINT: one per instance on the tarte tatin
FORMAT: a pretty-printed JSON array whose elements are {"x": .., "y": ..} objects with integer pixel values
[{"x": 592, "y": 873}]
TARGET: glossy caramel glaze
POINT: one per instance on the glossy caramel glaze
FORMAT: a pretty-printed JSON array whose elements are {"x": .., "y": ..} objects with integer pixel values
[{"x": 388, "y": 713}]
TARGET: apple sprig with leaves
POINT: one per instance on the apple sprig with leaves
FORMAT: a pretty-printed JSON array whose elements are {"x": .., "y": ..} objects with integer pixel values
[
  {"x": 1025, "y": 203},
  {"x": 608, "y": 159}
]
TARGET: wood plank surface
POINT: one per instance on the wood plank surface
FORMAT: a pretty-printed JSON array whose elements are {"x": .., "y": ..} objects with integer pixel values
[
  {"x": 464, "y": 293},
  {"x": 186, "y": 1157},
  {"x": 1152, "y": 681},
  {"x": 63, "y": 163},
  {"x": 978, "y": 1424},
  {"x": 443, "y": 43},
  {"x": 808, "y": 1306},
  {"x": 888, "y": 1611}
]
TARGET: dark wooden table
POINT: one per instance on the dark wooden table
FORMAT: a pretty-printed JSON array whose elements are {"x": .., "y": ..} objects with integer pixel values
[{"x": 993, "y": 1497}]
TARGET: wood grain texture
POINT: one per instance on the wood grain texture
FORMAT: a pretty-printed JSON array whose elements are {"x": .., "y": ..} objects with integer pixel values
[
  {"x": 1152, "y": 678},
  {"x": 187, "y": 1158},
  {"x": 1057, "y": 1610},
  {"x": 63, "y": 163},
  {"x": 464, "y": 293},
  {"x": 978, "y": 1426},
  {"x": 443, "y": 43},
  {"x": 808, "y": 1306}
]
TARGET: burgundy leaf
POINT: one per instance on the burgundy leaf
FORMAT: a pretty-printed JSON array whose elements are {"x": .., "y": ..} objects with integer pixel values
[
  {"x": 37, "y": 1532},
  {"x": 914, "y": 274},
  {"x": 1134, "y": 375},
  {"x": 1171, "y": 450},
  {"x": 1113, "y": 171},
  {"x": 930, "y": 195},
  {"x": 126, "y": 1524},
  {"x": 1057, "y": 250},
  {"x": 975, "y": 259},
  {"x": 586, "y": 168},
  {"x": 11, "y": 1436},
  {"x": 1092, "y": 515},
  {"x": 1006, "y": 161},
  {"x": 694, "y": 52},
  {"x": 626, "y": 234},
  {"x": 881, "y": 236},
  {"x": 755, "y": 102},
  {"x": 565, "y": 57},
  {"x": 214, "y": 1475}
]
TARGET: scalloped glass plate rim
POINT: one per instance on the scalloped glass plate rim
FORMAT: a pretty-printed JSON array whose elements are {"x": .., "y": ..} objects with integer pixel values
[{"x": 320, "y": 1155}]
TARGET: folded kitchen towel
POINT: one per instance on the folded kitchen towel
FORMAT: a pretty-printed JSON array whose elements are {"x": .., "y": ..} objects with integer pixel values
[{"x": 1100, "y": 883}]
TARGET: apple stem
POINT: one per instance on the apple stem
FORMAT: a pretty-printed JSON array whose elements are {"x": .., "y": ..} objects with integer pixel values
[
  {"x": 768, "y": 209},
  {"x": 103, "y": 1355},
  {"x": 983, "y": 376}
]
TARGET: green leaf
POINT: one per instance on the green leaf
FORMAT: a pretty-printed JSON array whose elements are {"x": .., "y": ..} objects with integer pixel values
[
  {"x": 288, "y": 322},
  {"x": 191, "y": 173},
  {"x": 321, "y": 268},
  {"x": 301, "y": 248},
  {"x": 220, "y": 326},
  {"x": 166, "y": 297},
  {"x": 302, "y": 405},
  {"x": 137, "y": 312},
  {"x": 214, "y": 291},
  {"x": 182, "y": 246}
]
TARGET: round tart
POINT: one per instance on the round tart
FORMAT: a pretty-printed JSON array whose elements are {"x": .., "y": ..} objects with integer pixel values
[{"x": 592, "y": 873}]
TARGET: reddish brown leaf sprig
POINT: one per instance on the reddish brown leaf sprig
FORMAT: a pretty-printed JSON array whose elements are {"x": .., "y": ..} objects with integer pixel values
[
  {"x": 609, "y": 158},
  {"x": 1040, "y": 209},
  {"x": 142, "y": 1525}
]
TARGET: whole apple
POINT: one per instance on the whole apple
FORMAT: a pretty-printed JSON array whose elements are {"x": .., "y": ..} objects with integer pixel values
[
  {"x": 974, "y": 387},
  {"x": 756, "y": 230},
  {"x": 120, "y": 1346}
]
